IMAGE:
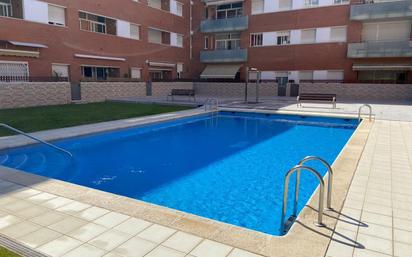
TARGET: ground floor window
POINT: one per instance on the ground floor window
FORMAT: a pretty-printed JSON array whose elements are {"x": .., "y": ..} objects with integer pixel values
[
  {"x": 383, "y": 76},
  {"x": 160, "y": 75},
  {"x": 14, "y": 71},
  {"x": 100, "y": 73},
  {"x": 60, "y": 71}
]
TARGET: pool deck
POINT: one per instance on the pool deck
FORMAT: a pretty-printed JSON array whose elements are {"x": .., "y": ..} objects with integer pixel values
[{"x": 56, "y": 218}]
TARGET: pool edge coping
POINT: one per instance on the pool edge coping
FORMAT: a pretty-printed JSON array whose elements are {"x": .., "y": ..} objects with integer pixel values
[{"x": 303, "y": 235}]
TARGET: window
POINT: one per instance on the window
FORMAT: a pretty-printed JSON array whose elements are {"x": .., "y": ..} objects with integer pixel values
[
  {"x": 98, "y": 24},
  {"x": 283, "y": 38},
  {"x": 206, "y": 43},
  {"x": 60, "y": 71},
  {"x": 386, "y": 31},
  {"x": 155, "y": 36},
  {"x": 258, "y": 6},
  {"x": 180, "y": 40},
  {"x": 306, "y": 75},
  {"x": 227, "y": 41},
  {"x": 179, "y": 9},
  {"x": 57, "y": 15},
  {"x": 285, "y": 4},
  {"x": 308, "y": 36},
  {"x": 160, "y": 4},
  {"x": 335, "y": 75},
  {"x": 310, "y": 3},
  {"x": 338, "y": 34},
  {"x": 179, "y": 70},
  {"x": 134, "y": 31},
  {"x": 227, "y": 11},
  {"x": 383, "y": 76},
  {"x": 11, "y": 8},
  {"x": 256, "y": 39},
  {"x": 100, "y": 73},
  {"x": 135, "y": 73},
  {"x": 340, "y": 1},
  {"x": 13, "y": 71}
]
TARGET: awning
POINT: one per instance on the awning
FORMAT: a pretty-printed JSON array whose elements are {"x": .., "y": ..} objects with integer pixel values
[
  {"x": 16, "y": 43},
  {"x": 19, "y": 53},
  {"x": 220, "y": 2},
  {"x": 161, "y": 64},
  {"x": 220, "y": 71},
  {"x": 99, "y": 57},
  {"x": 360, "y": 67}
]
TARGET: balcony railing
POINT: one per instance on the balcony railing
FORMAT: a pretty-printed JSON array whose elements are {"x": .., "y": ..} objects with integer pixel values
[
  {"x": 223, "y": 56},
  {"x": 224, "y": 25},
  {"x": 381, "y": 10},
  {"x": 373, "y": 49}
]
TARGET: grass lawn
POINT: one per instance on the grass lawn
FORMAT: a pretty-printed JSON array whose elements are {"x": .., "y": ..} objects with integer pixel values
[
  {"x": 59, "y": 116},
  {"x": 6, "y": 253}
]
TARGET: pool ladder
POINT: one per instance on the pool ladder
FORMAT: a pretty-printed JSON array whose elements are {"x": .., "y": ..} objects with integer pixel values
[
  {"x": 360, "y": 111},
  {"x": 211, "y": 104},
  {"x": 297, "y": 169},
  {"x": 36, "y": 139}
]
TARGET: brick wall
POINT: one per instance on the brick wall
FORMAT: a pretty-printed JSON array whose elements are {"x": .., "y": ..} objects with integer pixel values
[
  {"x": 360, "y": 91},
  {"x": 234, "y": 90},
  {"x": 100, "y": 91},
  {"x": 162, "y": 89},
  {"x": 26, "y": 94}
]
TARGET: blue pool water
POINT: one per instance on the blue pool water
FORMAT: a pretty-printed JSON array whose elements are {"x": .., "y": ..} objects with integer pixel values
[{"x": 228, "y": 167}]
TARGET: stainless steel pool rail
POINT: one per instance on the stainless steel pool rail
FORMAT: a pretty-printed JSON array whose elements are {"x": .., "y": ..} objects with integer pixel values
[
  {"x": 36, "y": 139},
  {"x": 330, "y": 181},
  {"x": 300, "y": 168},
  {"x": 360, "y": 111},
  {"x": 211, "y": 104}
]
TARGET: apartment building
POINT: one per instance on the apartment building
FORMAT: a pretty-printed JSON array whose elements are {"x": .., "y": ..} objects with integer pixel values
[
  {"x": 305, "y": 40},
  {"x": 93, "y": 40},
  {"x": 288, "y": 40}
]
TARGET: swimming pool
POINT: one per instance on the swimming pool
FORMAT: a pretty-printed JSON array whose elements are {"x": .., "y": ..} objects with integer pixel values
[{"x": 228, "y": 167}]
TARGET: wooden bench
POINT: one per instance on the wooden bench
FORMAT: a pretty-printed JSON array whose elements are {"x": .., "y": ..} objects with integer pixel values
[
  {"x": 182, "y": 92},
  {"x": 308, "y": 98}
]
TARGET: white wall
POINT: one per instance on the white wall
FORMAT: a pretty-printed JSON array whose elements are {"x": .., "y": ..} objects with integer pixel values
[
  {"x": 123, "y": 28},
  {"x": 36, "y": 11},
  {"x": 273, "y": 5},
  {"x": 173, "y": 39}
]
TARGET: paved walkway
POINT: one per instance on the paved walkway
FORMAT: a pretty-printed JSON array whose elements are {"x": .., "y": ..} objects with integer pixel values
[{"x": 376, "y": 220}]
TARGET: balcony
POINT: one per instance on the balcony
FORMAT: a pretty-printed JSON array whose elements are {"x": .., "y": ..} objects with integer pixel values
[
  {"x": 223, "y": 56},
  {"x": 381, "y": 10},
  {"x": 374, "y": 49},
  {"x": 224, "y": 25}
]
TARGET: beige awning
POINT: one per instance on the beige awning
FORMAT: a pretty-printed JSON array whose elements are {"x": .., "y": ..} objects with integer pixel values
[
  {"x": 360, "y": 67},
  {"x": 27, "y": 44},
  {"x": 19, "y": 53},
  {"x": 220, "y": 71}
]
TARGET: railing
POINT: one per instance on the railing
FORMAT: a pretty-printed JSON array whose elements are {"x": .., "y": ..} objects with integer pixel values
[
  {"x": 380, "y": 49},
  {"x": 224, "y": 25},
  {"x": 360, "y": 111},
  {"x": 222, "y": 56},
  {"x": 32, "y": 79},
  {"x": 381, "y": 10},
  {"x": 36, "y": 139},
  {"x": 211, "y": 104}
]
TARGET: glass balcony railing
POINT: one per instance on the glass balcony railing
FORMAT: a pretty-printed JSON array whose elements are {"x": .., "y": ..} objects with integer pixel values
[
  {"x": 223, "y": 56},
  {"x": 373, "y": 49},
  {"x": 224, "y": 25},
  {"x": 381, "y": 10}
]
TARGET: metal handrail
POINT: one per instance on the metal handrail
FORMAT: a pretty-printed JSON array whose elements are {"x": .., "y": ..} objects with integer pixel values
[
  {"x": 36, "y": 139},
  {"x": 319, "y": 223},
  {"x": 211, "y": 102},
  {"x": 370, "y": 111},
  {"x": 330, "y": 181}
]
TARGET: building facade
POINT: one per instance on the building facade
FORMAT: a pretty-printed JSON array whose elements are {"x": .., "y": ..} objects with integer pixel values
[{"x": 287, "y": 40}]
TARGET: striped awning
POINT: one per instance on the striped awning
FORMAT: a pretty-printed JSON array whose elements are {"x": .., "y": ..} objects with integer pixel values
[
  {"x": 19, "y": 53},
  {"x": 27, "y": 44},
  {"x": 220, "y": 71},
  {"x": 360, "y": 67}
]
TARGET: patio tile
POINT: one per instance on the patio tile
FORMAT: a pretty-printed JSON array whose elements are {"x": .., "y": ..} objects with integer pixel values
[
  {"x": 182, "y": 242},
  {"x": 59, "y": 246},
  {"x": 211, "y": 249},
  {"x": 19, "y": 229},
  {"x": 375, "y": 243},
  {"x": 379, "y": 209},
  {"x": 403, "y": 236},
  {"x": 109, "y": 240},
  {"x": 241, "y": 253},
  {"x": 402, "y": 214},
  {"x": 31, "y": 212},
  {"x": 48, "y": 218},
  {"x": 375, "y": 218},
  {"x": 402, "y": 224},
  {"x": 56, "y": 202},
  {"x": 156, "y": 233},
  {"x": 87, "y": 232},
  {"x": 92, "y": 213},
  {"x": 377, "y": 230},
  {"x": 39, "y": 237},
  {"x": 8, "y": 220},
  {"x": 403, "y": 250},
  {"x": 367, "y": 253},
  {"x": 67, "y": 224},
  {"x": 111, "y": 219},
  {"x": 162, "y": 251},
  {"x": 42, "y": 197},
  {"x": 17, "y": 205},
  {"x": 73, "y": 208},
  {"x": 339, "y": 249},
  {"x": 132, "y": 226},
  {"x": 26, "y": 193},
  {"x": 85, "y": 250},
  {"x": 135, "y": 247}
]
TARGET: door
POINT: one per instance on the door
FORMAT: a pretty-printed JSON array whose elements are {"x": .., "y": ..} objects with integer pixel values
[
  {"x": 294, "y": 89},
  {"x": 76, "y": 91},
  {"x": 282, "y": 84}
]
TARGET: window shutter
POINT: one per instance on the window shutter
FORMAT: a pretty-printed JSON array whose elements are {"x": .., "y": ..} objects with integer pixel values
[
  {"x": 338, "y": 34},
  {"x": 308, "y": 36},
  {"x": 306, "y": 75},
  {"x": 134, "y": 31},
  {"x": 155, "y": 36},
  {"x": 57, "y": 15},
  {"x": 258, "y": 6},
  {"x": 335, "y": 75}
]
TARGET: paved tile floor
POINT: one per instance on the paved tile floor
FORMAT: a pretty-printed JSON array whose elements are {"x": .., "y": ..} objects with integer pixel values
[
  {"x": 377, "y": 216},
  {"x": 58, "y": 226}
]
